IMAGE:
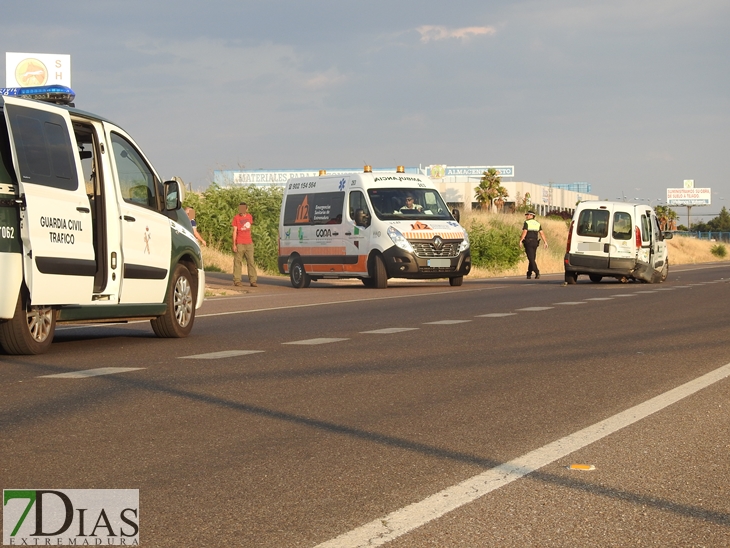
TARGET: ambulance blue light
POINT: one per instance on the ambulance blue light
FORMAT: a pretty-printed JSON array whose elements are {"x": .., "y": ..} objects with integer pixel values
[{"x": 61, "y": 95}]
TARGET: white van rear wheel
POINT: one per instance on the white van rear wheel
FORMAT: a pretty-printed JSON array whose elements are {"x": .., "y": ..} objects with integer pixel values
[
  {"x": 30, "y": 330},
  {"x": 571, "y": 278},
  {"x": 297, "y": 275}
]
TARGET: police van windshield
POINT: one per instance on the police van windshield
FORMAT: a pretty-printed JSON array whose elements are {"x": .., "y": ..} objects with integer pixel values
[{"x": 408, "y": 203}]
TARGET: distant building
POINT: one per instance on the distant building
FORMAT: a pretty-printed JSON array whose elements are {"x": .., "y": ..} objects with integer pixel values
[{"x": 456, "y": 184}]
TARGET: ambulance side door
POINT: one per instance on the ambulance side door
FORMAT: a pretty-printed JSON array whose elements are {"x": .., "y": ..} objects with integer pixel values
[
  {"x": 55, "y": 217},
  {"x": 357, "y": 231},
  {"x": 145, "y": 230}
]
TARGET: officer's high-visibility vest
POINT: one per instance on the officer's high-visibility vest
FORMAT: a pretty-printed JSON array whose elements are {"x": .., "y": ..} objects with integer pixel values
[{"x": 533, "y": 229}]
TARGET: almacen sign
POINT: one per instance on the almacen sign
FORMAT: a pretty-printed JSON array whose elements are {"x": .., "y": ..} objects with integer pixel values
[{"x": 688, "y": 196}]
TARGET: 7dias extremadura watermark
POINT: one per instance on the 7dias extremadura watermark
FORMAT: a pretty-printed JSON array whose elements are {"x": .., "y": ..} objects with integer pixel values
[{"x": 71, "y": 517}]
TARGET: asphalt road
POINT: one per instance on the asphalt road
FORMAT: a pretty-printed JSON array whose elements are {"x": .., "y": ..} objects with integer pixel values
[{"x": 296, "y": 417}]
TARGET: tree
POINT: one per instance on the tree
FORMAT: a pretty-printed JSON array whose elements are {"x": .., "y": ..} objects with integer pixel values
[
  {"x": 490, "y": 189},
  {"x": 667, "y": 217},
  {"x": 721, "y": 223}
]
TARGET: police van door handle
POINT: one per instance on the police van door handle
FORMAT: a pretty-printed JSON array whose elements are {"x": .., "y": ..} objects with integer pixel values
[
  {"x": 348, "y": 233},
  {"x": 129, "y": 218},
  {"x": 83, "y": 209},
  {"x": 605, "y": 248}
]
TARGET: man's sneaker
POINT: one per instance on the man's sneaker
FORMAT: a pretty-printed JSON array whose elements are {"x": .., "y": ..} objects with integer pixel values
[
  {"x": 529, "y": 276},
  {"x": 537, "y": 276},
  {"x": 237, "y": 284},
  {"x": 253, "y": 284}
]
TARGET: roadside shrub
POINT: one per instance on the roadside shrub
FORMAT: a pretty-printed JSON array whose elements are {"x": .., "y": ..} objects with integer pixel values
[
  {"x": 718, "y": 250},
  {"x": 216, "y": 206},
  {"x": 494, "y": 247}
]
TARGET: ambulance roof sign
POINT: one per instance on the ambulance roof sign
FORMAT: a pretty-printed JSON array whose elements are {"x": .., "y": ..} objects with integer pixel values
[{"x": 689, "y": 196}]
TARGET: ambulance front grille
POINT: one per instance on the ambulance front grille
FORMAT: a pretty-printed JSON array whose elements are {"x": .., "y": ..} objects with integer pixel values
[{"x": 426, "y": 250}]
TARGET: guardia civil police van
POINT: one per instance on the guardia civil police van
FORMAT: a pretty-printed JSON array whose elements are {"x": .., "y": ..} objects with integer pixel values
[
  {"x": 371, "y": 226},
  {"x": 618, "y": 240},
  {"x": 88, "y": 230}
]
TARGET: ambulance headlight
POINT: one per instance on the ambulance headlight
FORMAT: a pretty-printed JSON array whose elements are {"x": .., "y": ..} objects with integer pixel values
[
  {"x": 399, "y": 240},
  {"x": 464, "y": 245}
]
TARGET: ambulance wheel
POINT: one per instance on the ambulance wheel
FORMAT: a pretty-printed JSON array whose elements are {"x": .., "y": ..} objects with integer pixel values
[
  {"x": 571, "y": 278},
  {"x": 378, "y": 274},
  {"x": 30, "y": 331},
  {"x": 456, "y": 281},
  {"x": 298, "y": 276},
  {"x": 665, "y": 272},
  {"x": 595, "y": 278},
  {"x": 180, "y": 314}
]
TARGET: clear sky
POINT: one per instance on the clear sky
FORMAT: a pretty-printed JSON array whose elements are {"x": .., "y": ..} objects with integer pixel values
[{"x": 631, "y": 96}]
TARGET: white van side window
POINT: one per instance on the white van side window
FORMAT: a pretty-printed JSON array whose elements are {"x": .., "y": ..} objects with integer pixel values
[
  {"x": 136, "y": 180},
  {"x": 645, "y": 229},
  {"x": 314, "y": 208},
  {"x": 621, "y": 225},
  {"x": 593, "y": 223}
]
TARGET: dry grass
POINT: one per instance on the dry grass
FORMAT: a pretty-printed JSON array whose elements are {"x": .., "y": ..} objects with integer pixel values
[{"x": 682, "y": 250}]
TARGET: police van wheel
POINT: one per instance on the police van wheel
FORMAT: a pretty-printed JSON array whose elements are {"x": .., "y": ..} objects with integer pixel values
[
  {"x": 30, "y": 331},
  {"x": 571, "y": 278},
  {"x": 595, "y": 278},
  {"x": 456, "y": 281},
  {"x": 180, "y": 314},
  {"x": 378, "y": 274},
  {"x": 298, "y": 276}
]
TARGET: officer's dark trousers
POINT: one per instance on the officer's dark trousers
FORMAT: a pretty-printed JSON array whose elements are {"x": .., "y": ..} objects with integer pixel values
[{"x": 531, "y": 251}]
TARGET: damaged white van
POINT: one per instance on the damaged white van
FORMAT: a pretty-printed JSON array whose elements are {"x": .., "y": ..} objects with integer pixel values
[
  {"x": 371, "y": 226},
  {"x": 88, "y": 231},
  {"x": 618, "y": 240}
]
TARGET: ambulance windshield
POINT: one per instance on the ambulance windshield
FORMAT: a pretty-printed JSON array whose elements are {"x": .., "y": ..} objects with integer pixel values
[{"x": 408, "y": 204}]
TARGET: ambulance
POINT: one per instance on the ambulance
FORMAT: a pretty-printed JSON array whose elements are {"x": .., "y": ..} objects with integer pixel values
[
  {"x": 371, "y": 226},
  {"x": 88, "y": 230},
  {"x": 616, "y": 240}
]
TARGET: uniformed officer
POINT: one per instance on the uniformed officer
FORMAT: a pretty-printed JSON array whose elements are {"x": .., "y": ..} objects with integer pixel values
[{"x": 531, "y": 234}]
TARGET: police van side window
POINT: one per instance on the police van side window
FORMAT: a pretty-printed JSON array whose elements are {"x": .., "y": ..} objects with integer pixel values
[
  {"x": 593, "y": 223},
  {"x": 136, "y": 181},
  {"x": 7, "y": 175},
  {"x": 621, "y": 225},
  {"x": 43, "y": 145}
]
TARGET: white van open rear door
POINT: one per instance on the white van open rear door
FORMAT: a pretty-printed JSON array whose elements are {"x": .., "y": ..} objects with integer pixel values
[{"x": 56, "y": 223}]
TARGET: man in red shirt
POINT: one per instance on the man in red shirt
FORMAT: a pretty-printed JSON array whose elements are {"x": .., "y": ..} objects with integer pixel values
[{"x": 243, "y": 245}]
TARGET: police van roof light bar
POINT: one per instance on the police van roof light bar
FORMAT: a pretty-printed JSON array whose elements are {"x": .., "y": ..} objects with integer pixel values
[{"x": 60, "y": 95}]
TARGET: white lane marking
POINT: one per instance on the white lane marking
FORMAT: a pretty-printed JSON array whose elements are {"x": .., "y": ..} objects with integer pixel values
[
  {"x": 572, "y": 302},
  {"x": 625, "y": 295},
  {"x": 534, "y": 308},
  {"x": 322, "y": 340},
  {"x": 408, "y": 518},
  {"x": 600, "y": 299},
  {"x": 446, "y": 322},
  {"x": 389, "y": 330},
  {"x": 496, "y": 315},
  {"x": 91, "y": 373},
  {"x": 646, "y": 292},
  {"x": 664, "y": 289},
  {"x": 221, "y": 354},
  {"x": 349, "y": 301}
]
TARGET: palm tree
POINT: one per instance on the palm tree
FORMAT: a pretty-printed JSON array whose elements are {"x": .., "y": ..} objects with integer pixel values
[{"x": 490, "y": 188}]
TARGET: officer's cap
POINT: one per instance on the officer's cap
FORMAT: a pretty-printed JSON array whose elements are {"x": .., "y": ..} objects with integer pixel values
[{"x": 530, "y": 213}]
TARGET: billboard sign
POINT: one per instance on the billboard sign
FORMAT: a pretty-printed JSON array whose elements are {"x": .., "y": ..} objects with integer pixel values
[
  {"x": 688, "y": 196},
  {"x": 24, "y": 70}
]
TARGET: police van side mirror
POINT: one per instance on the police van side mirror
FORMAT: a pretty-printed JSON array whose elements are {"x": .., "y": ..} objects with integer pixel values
[
  {"x": 667, "y": 235},
  {"x": 173, "y": 195},
  {"x": 456, "y": 215}
]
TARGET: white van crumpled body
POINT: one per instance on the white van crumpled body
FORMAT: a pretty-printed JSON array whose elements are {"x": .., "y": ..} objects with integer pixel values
[{"x": 616, "y": 239}]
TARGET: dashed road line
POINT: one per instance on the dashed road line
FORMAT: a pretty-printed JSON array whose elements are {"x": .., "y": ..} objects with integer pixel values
[
  {"x": 534, "y": 308},
  {"x": 600, "y": 299},
  {"x": 571, "y": 303},
  {"x": 91, "y": 373},
  {"x": 496, "y": 315},
  {"x": 390, "y": 330},
  {"x": 219, "y": 355},
  {"x": 323, "y": 340},
  {"x": 446, "y": 322}
]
